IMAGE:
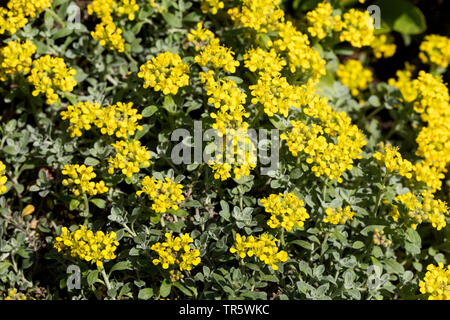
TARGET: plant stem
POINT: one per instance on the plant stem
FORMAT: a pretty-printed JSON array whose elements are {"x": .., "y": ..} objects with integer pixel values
[
  {"x": 105, "y": 277},
  {"x": 56, "y": 17},
  {"x": 86, "y": 208}
]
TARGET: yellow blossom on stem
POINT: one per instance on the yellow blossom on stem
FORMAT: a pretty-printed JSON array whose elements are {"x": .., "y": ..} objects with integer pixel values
[
  {"x": 15, "y": 57},
  {"x": 129, "y": 158},
  {"x": 165, "y": 194},
  {"x": 436, "y": 283}
]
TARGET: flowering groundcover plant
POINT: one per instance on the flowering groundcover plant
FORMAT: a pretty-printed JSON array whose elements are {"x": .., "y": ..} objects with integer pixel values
[{"x": 135, "y": 139}]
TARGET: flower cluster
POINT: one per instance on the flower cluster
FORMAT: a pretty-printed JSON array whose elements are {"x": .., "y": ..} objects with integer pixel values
[
  {"x": 119, "y": 119},
  {"x": 87, "y": 245},
  {"x": 3, "y": 178},
  {"x": 435, "y": 49},
  {"x": 404, "y": 83},
  {"x": 217, "y": 56},
  {"x": 264, "y": 247},
  {"x": 321, "y": 21},
  {"x": 15, "y": 57},
  {"x": 383, "y": 46},
  {"x": 129, "y": 157},
  {"x": 80, "y": 177},
  {"x": 81, "y": 116},
  {"x": 166, "y": 72},
  {"x": 339, "y": 215},
  {"x": 50, "y": 74},
  {"x": 380, "y": 239},
  {"x": 200, "y": 37},
  {"x": 269, "y": 62},
  {"x": 419, "y": 209},
  {"x": 328, "y": 157},
  {"x": 393, "y": 161},
  {"x": 260, "y": 15},
  {"x": 436, "y": 283},
  {"x": 358, "y": 28},
  {"x": 109, "y": 35},
  {"x": 211, "y": 6},
  {"x": 165, "y": 194},
  {"x": 177, "y": 252},
  {"x": 14, "y": 17},
  {"x": 14, "y": 295},
  {"x": 287, "y": 211},
  {"x": 353, "y": 75}
]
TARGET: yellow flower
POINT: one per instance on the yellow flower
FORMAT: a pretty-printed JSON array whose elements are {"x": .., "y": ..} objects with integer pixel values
[
  {"x": 15, "y": 57},
  {"x": 200, "y": 37},
  {"x": 211, "y": 6},
  {"x": 358, "y": 28},
  {"x": 393, "y": 160},
  {"x": 130, "y": 156},
  {"x": 264, "y": 247},
  {"x": 119, "y": 119},
  {"x": 29, "y": 8},
  {"x": 14, "y": 295},
  {"x": 436, "y": 283},
  {"x": 166, "y": 72},
  {"x": 109, "y": 36},
  {"x": 339, "y": 215},
  {"x": 217, "y": 56},
  {"x": 81, "y": 116},
  {"x": 11, "y": 21},
  {"x": 128, "y": 7},
  {"x": 165, "y": 194},
  {"x": 383, "y": 46},
  {"x": 87, "y": 245},
  {"x": 405, "y": 84},
  {"x": 3, "y": 178},
  {"x": 50, "y": 74},
  {"x": 435, "y": 49},
  {"x": 287, "y": 211},
  {"x": 80, "y": 177},
  {"x": 321, "y": 21},
  {"x": 268, "y": 61},
  {"x": 353, "y": 75},
  {"x": 177, "y": 252}
]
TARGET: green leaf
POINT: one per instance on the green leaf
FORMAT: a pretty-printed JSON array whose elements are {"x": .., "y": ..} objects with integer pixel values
[
  {"x": 172, "y": 20},
  {"x": 183, "y": 289},
  {"x": 92, "y": 277},
  {"x": 89, "y": 161},
  {"x": 402, "y": 16},
  {"x": 302, "y": 243},
  {"x": 145, "y": 294},
  {"x": 122, "y": 265},
  {"x": 149, "y": 111},
  {"x": 358, "y": 245},
  {"x": 74, "y": 203},
  {"x": 165, "y": 288},
  {"x": 100, "y": 203}
]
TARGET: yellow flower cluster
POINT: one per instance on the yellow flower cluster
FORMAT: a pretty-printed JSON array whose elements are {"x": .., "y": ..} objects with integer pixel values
[
  {"x": 14, "y": 17},
  {"x": 177, "y": 252},
  {"x": 321, "y": 21},
  {"x": 435, "y": 49},
  {"x": 50, "y": 74},
  {"x": 87, "y": 245},
  {"x": 260, "y": 15},
  {"x": 15, "y": 57},
  {"x": 339, "y": 215},
  {"x": 217, "y": 56},
  {"x": 287, "y": 211},
  {"x": 3, "y": 178},
  {"x": 316, "y": 141},
  {"x": 166, "y": 194},
  {"x": 264, "y": 247},
  {"x": 81, "y": 116},
  {"x": 278, "y": 96},
  {"x": 380, "y": 239},
  {"x": 238, "y": 155},
  {"x": 211, "y": 6},
  {"x": 393, "y": 161},
  {"x": 166, "y": 72},
  {"x": 109, "y": 35},
  {"x": 383, "y": 46},
  {"x": 267, "y": 61},
  {"x": 104, "y": 9},
  {"x": 130, "y": 156},
  {"x": 29, "y": 8},
  {"x": 80, "y": 177},
  {"x": 119, "y": 119},
  {"x": 422, "y": 208},
  {"x": 11, "y": 21},
  {"x": 358, "y": 28},
  {"x": 405, "y": 84},
  {"x": 353, "y": 75},
  {"x": 14, "y": 295},
  {"x": 436, "y": 283},
  {"x": 300, "y": 55},
  {"x": 200, "y": 37}
]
